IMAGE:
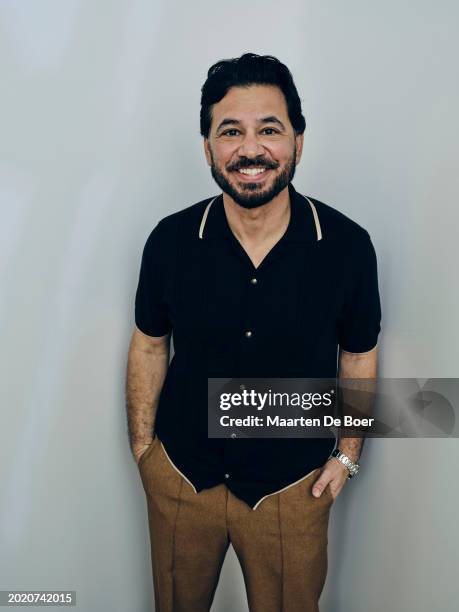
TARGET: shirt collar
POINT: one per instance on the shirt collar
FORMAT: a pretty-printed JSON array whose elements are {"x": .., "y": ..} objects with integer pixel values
[{"x": 304, "y": 224}]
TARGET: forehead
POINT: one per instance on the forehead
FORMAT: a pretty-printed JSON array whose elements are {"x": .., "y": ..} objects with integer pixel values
[{"x": 251, "y": 103}]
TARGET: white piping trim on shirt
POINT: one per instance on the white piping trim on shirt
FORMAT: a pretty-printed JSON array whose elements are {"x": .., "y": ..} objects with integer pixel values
[
  {"x": 176, "y": 468},
  {"x": 316, "y": 219},
  {"x": 287, "y": 487},
  {"x": 313, "y": 208},
  {"x": 260, "y": 500},
  {"x": 204, "y": 217}
]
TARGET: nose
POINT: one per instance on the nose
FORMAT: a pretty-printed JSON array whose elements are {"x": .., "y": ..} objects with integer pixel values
[{"x": 250, "y": 146}]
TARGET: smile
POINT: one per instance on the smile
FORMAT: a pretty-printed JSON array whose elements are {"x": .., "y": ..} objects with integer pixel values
[{"x": 252, "y": 173}]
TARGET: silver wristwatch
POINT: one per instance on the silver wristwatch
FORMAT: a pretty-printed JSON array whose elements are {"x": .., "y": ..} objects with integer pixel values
[{"x": 351, "y": 466}]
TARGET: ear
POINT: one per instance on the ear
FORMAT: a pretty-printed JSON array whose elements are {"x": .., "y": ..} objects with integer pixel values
[
  {"x": 299, "y": 140},
  {"x": 207, "y": 151}
]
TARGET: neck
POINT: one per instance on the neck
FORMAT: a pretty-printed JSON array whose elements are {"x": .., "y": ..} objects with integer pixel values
[{"x": 260, "y": 224}]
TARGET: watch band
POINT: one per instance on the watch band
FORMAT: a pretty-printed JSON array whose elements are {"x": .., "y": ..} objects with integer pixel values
[{"x": 351, "y": 466}]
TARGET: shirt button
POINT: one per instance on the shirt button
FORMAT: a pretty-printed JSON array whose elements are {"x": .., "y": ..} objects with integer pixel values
[
  {"x": 226, "y": 475},
  {"x": 253, "y": 281},
  {"x": 233, "y": 435},
  {"x": 248, "y": 334},
  {"x": 242, "y": 387}
]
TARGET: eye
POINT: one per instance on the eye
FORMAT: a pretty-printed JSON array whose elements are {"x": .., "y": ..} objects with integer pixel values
[
  {"x": 272, "y": 130},
  {"x": 226, "y": 132}
]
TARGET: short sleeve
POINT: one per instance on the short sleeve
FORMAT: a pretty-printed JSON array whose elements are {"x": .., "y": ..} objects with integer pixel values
[
  {"x": 360, "y": 320},
  {"x": 151, "y": 312}
]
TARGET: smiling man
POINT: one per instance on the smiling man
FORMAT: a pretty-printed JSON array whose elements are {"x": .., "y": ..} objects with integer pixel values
[
  {"x": 252, "y": 169},
  {"x": 257, "y": 281}
]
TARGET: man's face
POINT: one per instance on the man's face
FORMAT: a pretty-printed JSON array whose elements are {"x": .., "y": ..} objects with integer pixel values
[{"x": 251, "y": 130}]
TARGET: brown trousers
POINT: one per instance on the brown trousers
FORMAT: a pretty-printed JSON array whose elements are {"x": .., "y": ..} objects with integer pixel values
[{"x": 281, "y": 546}]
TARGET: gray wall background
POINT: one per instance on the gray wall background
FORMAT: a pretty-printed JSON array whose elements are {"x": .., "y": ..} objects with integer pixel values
[{"x": 99, "y": 140}]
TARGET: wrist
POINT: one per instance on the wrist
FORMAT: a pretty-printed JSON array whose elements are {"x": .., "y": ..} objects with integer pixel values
[
  {"x": 141, "y": 440},
  {"x": 351, "y": 466}
]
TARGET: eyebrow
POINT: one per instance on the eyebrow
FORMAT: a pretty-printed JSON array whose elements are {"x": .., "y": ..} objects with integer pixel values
[{"x": 270, "y": 119}]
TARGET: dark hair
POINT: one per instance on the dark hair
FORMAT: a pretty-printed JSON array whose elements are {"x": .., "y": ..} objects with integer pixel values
[{"x": 249, "y": 69}]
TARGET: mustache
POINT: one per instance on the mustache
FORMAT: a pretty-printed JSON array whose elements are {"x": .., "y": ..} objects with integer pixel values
[{"x": 255, "y": 163}]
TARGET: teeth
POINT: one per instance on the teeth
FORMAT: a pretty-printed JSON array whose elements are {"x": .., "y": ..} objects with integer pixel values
[{"x": 252, "y": 171}]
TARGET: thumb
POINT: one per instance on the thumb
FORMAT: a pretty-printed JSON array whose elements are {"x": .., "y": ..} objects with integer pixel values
[{"x": 319, "y": 486}]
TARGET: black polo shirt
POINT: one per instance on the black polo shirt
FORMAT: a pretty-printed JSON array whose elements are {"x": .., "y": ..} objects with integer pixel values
[{"x": 316, "y": 289}]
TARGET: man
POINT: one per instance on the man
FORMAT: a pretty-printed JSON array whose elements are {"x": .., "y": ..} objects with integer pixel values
[{"x": 258, "y": 281}]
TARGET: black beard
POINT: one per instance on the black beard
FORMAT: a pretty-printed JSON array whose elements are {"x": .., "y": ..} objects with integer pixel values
[{"x": 251, "y": 197}]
